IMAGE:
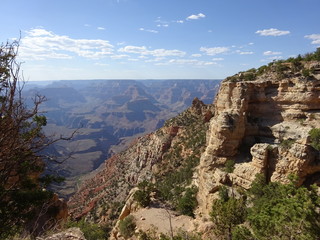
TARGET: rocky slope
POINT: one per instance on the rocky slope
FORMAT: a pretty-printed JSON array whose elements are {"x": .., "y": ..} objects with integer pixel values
[
  {"x": 148, "y": 158},
  {"x": 109, "y": 113},
  {"x": 260, "y": 122}
]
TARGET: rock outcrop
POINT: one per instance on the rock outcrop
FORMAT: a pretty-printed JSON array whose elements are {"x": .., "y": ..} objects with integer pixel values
[
  {"x": 146, "y": 158},
  {"x": 262, "y": 125},
  {"x": 69, "y": 234}
]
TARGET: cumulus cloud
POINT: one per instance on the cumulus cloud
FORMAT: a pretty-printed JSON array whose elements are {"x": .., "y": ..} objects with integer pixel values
[
  {"x": 196, "y": 55},
  {"x": 270, "y": 53},
  {"x": 214, "y": 51},
  {"x": 134, "y": 49},
  {"x": 217, "y": 59},
  {"x": 193, "y": 62},
  {"x": 156, "y": 52},
  {"x": 163, "y": 25},
  {"x": 40, "y": 44},
  {"x": 271, "y": 58},
  {"x": 119, "y": 56},
  {"x": 272, "y": 32},
  {"x": 101, "y": 28},
  {"x": 195, "y": 17},
  {"x": 314, "y": 37},
  {"x": 148, "y": 30},
  {"x": 244, "y": 52}
]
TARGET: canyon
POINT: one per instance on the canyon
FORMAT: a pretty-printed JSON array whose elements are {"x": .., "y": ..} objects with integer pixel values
[
  {"x": 106, "y": 115},
  {"x": 262, "y": 125}
]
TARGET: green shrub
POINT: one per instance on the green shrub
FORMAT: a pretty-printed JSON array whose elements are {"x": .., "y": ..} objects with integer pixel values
[
  {"x": 306, "y": 72},
  {"x": 223, "y": 193},
  {"x": 249, "y": 76},
  {"x": 227, "y": 214},
  {"x": 262, "y": 69},
  {"x": 242, "y": 233},
  {"x": 229, "y": 166},
  {"x": 127, "y": 226},
  {"x": 315, "y": 138},
  {"x": 171, "y": 186},
  {"x": 287, "y": 143},
  {"x": 91, "y": 231},
  {"x": 188, "y": 202},
  {"x": 142, "y": 196},
  {"x": 284, "y": 211}
]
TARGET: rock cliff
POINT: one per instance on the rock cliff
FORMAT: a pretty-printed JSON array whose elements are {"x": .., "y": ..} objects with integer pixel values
[
  {"x": 259, "y": 123},
  {"x": 148, "y": 158},
  {"x": 263, "y": 126}
]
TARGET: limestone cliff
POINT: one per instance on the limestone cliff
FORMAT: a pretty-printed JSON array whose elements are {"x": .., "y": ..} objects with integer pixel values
[
  {"x": 262, "y": 125},
  {"x": 260, "y": 120}
]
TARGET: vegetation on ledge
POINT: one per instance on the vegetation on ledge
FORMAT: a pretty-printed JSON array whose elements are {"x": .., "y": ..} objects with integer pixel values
[{"x": 282, "y": 68}]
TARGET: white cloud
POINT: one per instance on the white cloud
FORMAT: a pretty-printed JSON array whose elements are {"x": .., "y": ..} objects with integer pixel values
[
  {"x": 214, "y": 51},
  {"x": 244, "y": 52},
  {"x": 134, "y": 49},
  {"x": 120, "y": 56},
  {"x": 195, "y": 17},
  {"x": 133, "y": 59},
  {"x": 196, "y": 55},
  {"x": 314, "y": 37},
  {"x": 272, "y": 32},
  {"x": 217, "y": 59},
  {"x": 39, "y": 32},
  {"x": 193, "y": 62},
  {"x": 101, "y": 28},
  {"x": 179, "y": 21},
  {"x": 156, "y": 52},
  {"x": 157, "y": 59},
  {"x": 271, "y": 58},
  {"x": 166, "y": 53},
  {"x": 148, "y": 30},
  {"x": 40, "y": 44},
  {"x": 269, "y": 53},
  {"x": 102, "y": 64},
  {"x": 275, "y": 58},
  {"x": 162, "y": 25}
]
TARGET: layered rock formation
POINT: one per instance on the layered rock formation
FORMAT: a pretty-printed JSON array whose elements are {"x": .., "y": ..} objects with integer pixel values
[
  {"x": 260, "y": 124},
  {"x": 146, "y": 158},
  {"x": 263, "y": 125}
]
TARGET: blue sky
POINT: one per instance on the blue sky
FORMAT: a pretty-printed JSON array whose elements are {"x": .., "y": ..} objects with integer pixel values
[{"x": 156, "y": 39}]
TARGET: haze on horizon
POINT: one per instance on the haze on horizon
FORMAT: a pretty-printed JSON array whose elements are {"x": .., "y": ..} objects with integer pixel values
[{"x": 143, "y": 39}]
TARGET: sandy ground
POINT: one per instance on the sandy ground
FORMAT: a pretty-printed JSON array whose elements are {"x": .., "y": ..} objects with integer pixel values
[{"x": 159, "y": 218}]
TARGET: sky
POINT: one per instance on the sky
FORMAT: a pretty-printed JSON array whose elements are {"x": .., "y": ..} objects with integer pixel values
[{"x": 156, "y": 39}]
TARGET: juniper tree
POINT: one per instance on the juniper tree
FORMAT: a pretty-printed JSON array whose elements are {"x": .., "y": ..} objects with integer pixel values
[{"x": 21, "y": 143}]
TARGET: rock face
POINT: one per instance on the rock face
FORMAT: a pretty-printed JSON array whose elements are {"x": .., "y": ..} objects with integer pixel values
[
  {"x": 143, "y": 160},
  {"x": 121, "y": 172},
  {"x": 69, "y": 234},
  {"x": 263, "y": 126}
]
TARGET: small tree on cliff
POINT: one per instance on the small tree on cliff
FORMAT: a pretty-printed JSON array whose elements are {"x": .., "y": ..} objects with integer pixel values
[
  {"x": 21, "y": 141},
  {"x": 284, "y": 211}
]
